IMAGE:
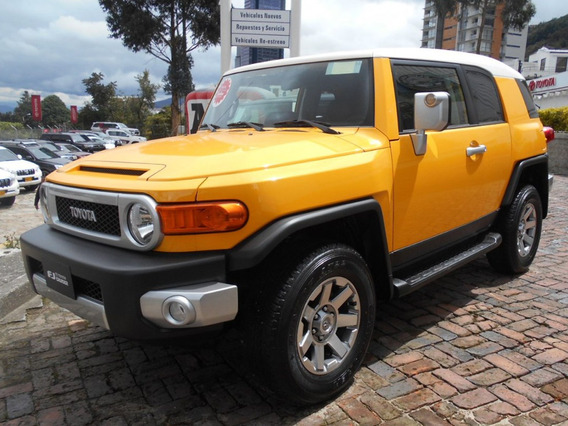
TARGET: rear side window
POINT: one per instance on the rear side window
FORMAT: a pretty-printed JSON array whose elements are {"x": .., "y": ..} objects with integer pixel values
[
  {"x": 484, "y": 97},
  {"x": 411, "y": 79},
  {"x": 529, "y": 102}
]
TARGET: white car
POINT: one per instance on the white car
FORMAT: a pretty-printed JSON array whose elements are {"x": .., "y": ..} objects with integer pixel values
[
  {"x": 124, "y": 136},
  {"x": 27, "y": 173},
  {"x": 103, "y": 126},
  {"x": 9, "y": 188}
]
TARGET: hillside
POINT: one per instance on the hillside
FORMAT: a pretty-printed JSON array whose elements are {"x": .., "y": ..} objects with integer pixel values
[{"x": 552, "y": 34}]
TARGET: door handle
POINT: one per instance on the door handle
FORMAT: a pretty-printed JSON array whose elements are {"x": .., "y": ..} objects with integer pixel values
[{"x": 474, "y": 150}]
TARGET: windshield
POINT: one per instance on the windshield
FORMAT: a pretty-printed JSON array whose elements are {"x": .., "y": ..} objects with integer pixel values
[
  {"x": 42, "y": 153},
  {"x": 337, "y": 93},
  {"x": 7, "y": 155},
  {"x": 69, "y": 148}
]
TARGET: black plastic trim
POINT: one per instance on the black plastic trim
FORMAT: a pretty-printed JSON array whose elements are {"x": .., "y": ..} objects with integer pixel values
[
  {"x": 253, "y": 250},
  {"x": 516, "y": 177},
  {"x": 123, "y": 275},
  {"x": 420, "y": 251}
]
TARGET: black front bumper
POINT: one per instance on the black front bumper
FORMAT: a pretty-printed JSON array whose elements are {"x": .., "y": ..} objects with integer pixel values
[{"x": 112, "y": 280}]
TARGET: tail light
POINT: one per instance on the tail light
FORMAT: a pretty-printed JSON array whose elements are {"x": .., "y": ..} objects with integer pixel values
[{"x": 548, "y": 133}]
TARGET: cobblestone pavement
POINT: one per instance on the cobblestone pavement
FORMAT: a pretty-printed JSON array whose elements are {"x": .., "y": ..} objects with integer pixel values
[{"x": 475, "y": 347}]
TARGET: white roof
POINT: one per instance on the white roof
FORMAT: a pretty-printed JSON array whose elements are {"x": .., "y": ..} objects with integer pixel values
[{"x": 495, "y": 67}]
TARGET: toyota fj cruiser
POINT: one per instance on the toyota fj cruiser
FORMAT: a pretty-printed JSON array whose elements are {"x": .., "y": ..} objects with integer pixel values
[{"x": 315, "y": 186}]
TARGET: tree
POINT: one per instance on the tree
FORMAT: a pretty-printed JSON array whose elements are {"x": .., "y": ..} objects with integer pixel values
[
  {"x": 101, "y": 93},
  {"x": 54, "y": 111},
  {"x": 146, "y": 98},
  {"x": 23, "y": 111},
  {"x": 515, "y": 13},
  {"x": 444, "y": 9},
  {"x": 157, "y": 125},
  {"x": 169, "y": 30}
]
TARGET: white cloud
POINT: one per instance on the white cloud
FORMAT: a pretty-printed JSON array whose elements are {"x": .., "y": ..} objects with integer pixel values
[{"x": 50, "y": 46}]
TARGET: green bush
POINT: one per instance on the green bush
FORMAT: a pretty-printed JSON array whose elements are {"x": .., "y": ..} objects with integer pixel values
[
  {"x": 5, "y": 125},
  {"x": 557, "y": 118}
]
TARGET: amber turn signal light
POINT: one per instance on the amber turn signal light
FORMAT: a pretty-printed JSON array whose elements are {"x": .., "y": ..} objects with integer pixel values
[{"x": 197, "y": 218}]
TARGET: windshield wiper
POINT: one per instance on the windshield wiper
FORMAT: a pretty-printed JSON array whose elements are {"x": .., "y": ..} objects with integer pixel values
[
  {"x": 324, "y": 127},
  {"x": 256, "y": 126},
  {"x": 211, "y": 127}
]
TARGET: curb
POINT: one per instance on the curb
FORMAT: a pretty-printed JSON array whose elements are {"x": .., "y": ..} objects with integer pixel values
[{"x": 14, "y": 288}]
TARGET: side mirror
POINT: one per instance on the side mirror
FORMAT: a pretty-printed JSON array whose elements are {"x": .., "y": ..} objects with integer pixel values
[{"x": 431, "y": 112}]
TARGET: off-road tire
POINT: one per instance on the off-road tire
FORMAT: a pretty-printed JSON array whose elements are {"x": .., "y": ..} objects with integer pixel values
[
  {"x": 312, "y": 322},
  {"x": 520, "y": 225}
]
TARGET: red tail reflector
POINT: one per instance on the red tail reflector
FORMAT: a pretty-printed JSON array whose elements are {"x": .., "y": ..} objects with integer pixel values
[{"x": 548, "y": 133}]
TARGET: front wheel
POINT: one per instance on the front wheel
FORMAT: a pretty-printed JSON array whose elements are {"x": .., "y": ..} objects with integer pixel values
[
  {"x": 520, "y": 226},
  {"x": 7, "y": 201},
  {"x": 315, "y": 324}
]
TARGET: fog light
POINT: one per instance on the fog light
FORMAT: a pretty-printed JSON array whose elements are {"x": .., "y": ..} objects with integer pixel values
[{"x": 178, "y": 311}]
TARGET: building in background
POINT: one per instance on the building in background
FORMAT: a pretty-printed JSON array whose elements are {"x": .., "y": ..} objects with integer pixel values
[
  {"x": 461, "y": 32},
  {"x": 252, "y": 55},
  {"x": 547, "y": 75}
]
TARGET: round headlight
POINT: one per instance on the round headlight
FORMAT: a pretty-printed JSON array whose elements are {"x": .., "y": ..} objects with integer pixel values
[{"x": 141, "y": 223}]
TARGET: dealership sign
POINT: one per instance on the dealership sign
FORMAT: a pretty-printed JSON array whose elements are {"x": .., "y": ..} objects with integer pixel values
[
  {"x": 260, "y": 28},
  {"x": 36, "y": 107},
  {"x": 74, "y": 114},
  {"x": 542, "y": 83}
]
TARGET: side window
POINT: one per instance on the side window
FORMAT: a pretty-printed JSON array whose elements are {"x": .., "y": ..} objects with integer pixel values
[
  {"x": 411, "y": 79},
  {"x": 529, "y": 102},
  {"x": 484, "y": 96}
]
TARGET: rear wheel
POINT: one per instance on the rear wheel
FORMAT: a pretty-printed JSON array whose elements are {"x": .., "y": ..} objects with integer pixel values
[
  {"x": 520, "y": 225},
  {"x": 314, "y": 323}
]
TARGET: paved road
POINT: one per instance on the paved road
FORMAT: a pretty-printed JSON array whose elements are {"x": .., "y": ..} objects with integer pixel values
[{"x": 475, "y": 347}]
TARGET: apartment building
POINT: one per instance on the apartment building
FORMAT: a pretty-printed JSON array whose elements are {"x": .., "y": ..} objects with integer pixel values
[{"x": 462, "y": 32}]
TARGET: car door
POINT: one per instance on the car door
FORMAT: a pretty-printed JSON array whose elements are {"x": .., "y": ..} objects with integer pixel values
[{"x": 455, "y": 188}]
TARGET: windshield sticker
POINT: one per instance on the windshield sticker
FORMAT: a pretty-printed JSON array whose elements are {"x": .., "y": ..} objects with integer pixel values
[
  {"x": 343, "y": 67},
  {"x": 222, "y": 92}
]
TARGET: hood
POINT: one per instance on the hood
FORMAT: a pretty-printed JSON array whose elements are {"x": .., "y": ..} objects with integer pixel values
[
  {"x": 14, "y": 166},
  {"x": 5, "y": 174},
  {"x": 222, "y": 152},
  {"x": 56, "y": 161}
]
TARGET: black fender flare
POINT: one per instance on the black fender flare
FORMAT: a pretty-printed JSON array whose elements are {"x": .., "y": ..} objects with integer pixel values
[
  {"x": 256, "y": 248},
  {"x": 542, "y": 184}
]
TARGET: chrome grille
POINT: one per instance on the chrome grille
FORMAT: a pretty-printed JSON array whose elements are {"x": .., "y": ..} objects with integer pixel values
[
  {"x": 4, "y": 183},
  {"x": 104, "y": 218},
  {"x": 100, "y": 216},
  {"x": 25, "y": 172}
]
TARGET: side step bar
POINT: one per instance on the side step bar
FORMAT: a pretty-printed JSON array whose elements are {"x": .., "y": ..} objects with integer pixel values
[{"x": 409, "y": 284}]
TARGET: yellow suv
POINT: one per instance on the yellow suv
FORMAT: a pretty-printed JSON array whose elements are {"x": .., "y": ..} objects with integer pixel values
[{"x": 315, "y": 187}]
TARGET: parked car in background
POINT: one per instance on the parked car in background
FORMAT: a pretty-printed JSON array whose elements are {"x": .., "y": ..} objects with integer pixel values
[
  {"x": 28, "y": 174},
  {"x": 75, "y": 139},
  {"x": 108, "y": 143},
  {"x": 57, "y": 149},
  {"x": 9, "y": 188},
  {"x": 70, "y": 149},
  {"x": 106, "y": 138},
  {"x": 48, "y": 161},
  {"x": 102, "y": 126},
  {"x": 125, "y": 137}
]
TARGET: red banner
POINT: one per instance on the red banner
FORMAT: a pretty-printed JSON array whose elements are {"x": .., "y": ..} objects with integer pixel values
[
  {"x": 36, "y": 107},
  {"x": 74, "y": 115}
]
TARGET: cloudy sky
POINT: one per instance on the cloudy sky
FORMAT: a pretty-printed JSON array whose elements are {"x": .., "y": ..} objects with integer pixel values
[{"x": 48, "y": 47}]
